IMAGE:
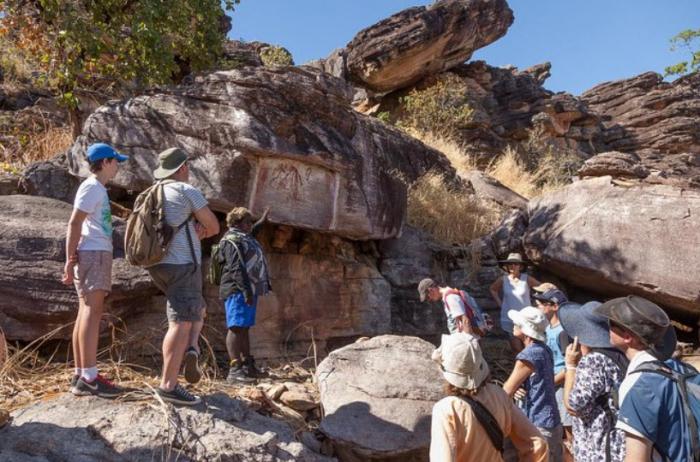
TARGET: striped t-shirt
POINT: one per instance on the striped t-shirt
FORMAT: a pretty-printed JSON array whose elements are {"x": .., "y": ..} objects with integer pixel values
[{"x": 181, "y": 201}]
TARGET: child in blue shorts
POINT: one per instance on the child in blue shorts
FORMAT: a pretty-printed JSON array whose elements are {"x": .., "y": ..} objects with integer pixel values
[{"x": 244, "y": 278}]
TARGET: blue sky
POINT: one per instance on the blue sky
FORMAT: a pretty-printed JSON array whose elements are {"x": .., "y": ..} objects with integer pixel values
[{"x": 587, "y": 41}]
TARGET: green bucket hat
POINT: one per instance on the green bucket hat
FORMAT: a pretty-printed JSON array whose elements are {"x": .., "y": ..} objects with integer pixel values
[{"x": 169, "y": 161}]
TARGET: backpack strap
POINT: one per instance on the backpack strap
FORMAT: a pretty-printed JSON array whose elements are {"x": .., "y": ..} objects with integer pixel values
[
  {"x": 241, "y": 261},
  {"x": 487, "y": 421},
  {"x": 468, "y": 310},
  {"x": 190, "y": 241}
]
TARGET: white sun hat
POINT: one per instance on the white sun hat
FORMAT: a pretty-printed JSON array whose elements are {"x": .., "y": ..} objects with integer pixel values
[{"x": 532, "y": 322}]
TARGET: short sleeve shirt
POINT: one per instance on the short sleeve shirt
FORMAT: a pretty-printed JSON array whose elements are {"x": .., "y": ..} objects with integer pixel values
[
  {"x": 96, "y": 230},
  {"x": 541, "y": 402},
  {"x": 553, "y": 344},
  {"x": 453, "y": 308},
  {"x": 181, "y": 201},
  {"x": 651, "y": 408}
]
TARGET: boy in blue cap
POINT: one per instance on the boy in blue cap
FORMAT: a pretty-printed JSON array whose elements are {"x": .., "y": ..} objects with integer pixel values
[{"x": 89, "y": 267}]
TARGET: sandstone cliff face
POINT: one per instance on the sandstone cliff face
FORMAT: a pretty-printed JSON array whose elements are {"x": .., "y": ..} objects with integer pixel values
[
  {"x": 284, "y": 137},
  {"x": 657, "y": 120}
]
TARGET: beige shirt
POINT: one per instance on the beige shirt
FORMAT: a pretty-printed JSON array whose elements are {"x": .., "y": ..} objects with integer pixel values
[{"x": 457, "y": 435}]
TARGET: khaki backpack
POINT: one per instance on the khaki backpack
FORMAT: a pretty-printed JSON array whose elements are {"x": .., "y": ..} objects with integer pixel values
[{"x": 148, "y": 235}]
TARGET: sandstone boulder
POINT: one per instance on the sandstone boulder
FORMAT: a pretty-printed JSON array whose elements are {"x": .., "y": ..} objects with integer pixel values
[
  {"x": 8, "y": 183},
  {"x": 616, "y": 164},
  {"x": 90, "y": 429},
  {"x": 284, "y": 137},
  {"x": 417, "y": 42},
  {"x": 50, "y": 179},
  {"x": 488, "y": 188},
  {"x": 372, "y": 411},
  {"x": 619, "y": 240},
  {"x": 33, "y": 301},
  {"x": 659, "y": 121}
]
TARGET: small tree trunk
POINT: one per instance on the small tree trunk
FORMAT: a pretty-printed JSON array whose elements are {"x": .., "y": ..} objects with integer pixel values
[{"x": 76, "y": 120}]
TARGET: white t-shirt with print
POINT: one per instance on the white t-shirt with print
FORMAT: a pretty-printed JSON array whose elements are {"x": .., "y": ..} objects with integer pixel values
[{"x": 96, "y": 231}]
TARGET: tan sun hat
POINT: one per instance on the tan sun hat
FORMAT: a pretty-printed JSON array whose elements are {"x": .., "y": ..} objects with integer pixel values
[
  {"x": 544, "y": 287},
  {"x": 169, "y": 162},
  {"x": 462, "y": 363}
]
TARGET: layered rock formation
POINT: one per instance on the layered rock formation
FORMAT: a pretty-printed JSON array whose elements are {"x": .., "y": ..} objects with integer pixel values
[
  {"x": 33, "y": 300},
  {"x": 509, "y": 104},
  {"x": 289, "y": 138},
  {"x": 92, "y": 429},
  {"x": 417, "y": 42},
  {"x": 657, "y": 120},
  {"x": 372, "y": 412}
]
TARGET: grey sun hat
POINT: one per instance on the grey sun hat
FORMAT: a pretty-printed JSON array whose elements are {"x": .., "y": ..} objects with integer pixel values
[
  {"x": 169, "y": 162},
  {"x": 424, "y": 286},
  {"x": 645, "y": 319},
  {"x": 580, "y": 321},
  {"x": 461, "y": 360}
]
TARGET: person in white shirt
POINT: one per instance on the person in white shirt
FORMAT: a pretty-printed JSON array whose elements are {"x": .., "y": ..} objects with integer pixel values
[
  {"x": 89, "y": 267},
  {"x": 463, "y": 314}
]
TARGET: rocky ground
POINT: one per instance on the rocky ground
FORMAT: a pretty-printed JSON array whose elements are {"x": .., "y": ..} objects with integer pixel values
[{"x": 307, "y": 141}]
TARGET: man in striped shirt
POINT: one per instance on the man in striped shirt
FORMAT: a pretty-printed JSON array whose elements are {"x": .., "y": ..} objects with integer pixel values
[{"x": 179, "y": 274}]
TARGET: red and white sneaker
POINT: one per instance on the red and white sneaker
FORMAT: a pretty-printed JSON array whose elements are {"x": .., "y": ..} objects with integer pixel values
[{"x": 99, "y": 387}]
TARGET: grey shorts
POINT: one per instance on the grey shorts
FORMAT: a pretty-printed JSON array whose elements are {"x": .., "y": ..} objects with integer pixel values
[
  {"x": 182, "y": 286},
  {"x": 563, "y": 413},
  {"x": 93, "y": 272}
]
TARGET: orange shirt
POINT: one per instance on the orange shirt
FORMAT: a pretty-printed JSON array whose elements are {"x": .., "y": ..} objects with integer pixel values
[{"x": 457, "y": 435}]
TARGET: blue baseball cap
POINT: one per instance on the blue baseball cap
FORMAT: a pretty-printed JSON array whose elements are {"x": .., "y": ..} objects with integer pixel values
[{"x": 99, "y": 151}]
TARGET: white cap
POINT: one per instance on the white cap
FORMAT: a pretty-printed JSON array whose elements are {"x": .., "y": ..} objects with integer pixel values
[
  {"x": 532, "y": 322},
  {"x": 461, "y": 360}
]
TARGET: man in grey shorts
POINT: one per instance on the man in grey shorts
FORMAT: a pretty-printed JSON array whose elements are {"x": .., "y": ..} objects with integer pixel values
[
  {"x": 89, "y": 267},
  {"x": 179, "y": 274}
]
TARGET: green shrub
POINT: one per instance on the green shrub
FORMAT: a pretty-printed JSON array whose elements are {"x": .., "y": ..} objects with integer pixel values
[
  {"x": 441, "y": 109},
  {"x": 276, "y": 56}
]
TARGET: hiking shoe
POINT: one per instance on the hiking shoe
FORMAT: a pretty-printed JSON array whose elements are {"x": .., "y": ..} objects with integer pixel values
[
  {"x": 192, "y": 372},
  {"x": 250, "y": 370},
  {"x": 179, "y": 395},
  {"x": 236, "y": 374},
  {"x": 99, "y": 387}
]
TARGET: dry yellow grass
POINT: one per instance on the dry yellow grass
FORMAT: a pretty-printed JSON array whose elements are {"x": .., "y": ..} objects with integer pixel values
[
  {"x": 449, "y": 215},
  {"x": 508, "y": 168}
]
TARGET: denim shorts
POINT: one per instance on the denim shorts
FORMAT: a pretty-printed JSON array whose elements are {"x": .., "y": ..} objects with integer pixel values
[{"x": 182, "y": 286}]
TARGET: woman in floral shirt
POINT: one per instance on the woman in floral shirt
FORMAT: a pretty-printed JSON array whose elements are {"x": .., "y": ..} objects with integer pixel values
[{"x": 592, "y": 375}]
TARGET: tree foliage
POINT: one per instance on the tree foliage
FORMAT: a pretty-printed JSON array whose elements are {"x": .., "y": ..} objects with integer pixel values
[
  {"x": 689, "y": 40},
  {"x": 109, "y": 45}
]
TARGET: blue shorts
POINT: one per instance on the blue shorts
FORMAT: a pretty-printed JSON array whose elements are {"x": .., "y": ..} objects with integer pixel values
[{"x": 238, "y": 312}]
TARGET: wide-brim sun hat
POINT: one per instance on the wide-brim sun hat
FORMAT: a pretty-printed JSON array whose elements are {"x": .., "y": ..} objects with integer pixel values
[
  {"x": 461, "y": 361},
  {"x": 648, "y": 321},
  {"x": 169, "y": 161},
  {"x": 531, "y": 321},
  {"x": 581, "y": 321},
  {"x": 513, "y": 257}
]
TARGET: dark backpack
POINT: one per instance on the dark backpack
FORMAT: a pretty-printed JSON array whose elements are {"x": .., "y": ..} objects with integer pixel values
[
  {"x": 688, "y": 384},
  {"x": 488, "y": 421}
]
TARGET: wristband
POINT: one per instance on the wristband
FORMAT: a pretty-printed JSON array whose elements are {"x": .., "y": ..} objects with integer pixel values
[{"x": 570, "y": 368}]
